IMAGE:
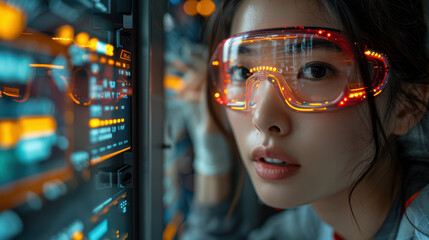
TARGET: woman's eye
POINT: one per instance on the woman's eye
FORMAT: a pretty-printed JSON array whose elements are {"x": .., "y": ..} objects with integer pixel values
[
  {"x": 315, "y": 71},
  {"x": 239, "y": 73}
]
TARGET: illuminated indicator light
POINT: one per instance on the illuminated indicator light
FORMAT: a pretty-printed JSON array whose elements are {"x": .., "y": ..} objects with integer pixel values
[
  {"x": 9, "y": 136},
  {"x": 215, "y": 63},
  {"x": 77, "y": 236},
  {"x": 123, "y": 65},
  {"x": 114, "y": 121},
  {"x": 315, "y": 104},
  {"x": 290, "y": 99},
  {"x": 225, "y": 91},
  {"x": 13, "y": 21},
  {"x": 103, "y": 60},
  {"x": 274, "y": 69},
  {"x": 102, "y": 123},
  {"x": 106, "y": 122},
  {"x": 46, "y": 66},
  {"x": 342, "y": 103},
  {"x": 326, "y": 102},
  {"x": 111, "y": 62},
  {"x": 190, "y": 7},
  {"x": 345, "y": 99},
  {"x": 205, "y": 7},
  {"x": 283, "y": 88},
  {"x": 360, "y": 93},
  {"x": 122, "y": 120},
  {"x": 118, "y": 64},
  {"x": 367, "y": 52},
  {"x": 94, "y": 123},
  {"x": 116, "y": 107},
  {"x": 82, "y": 39},
  {"x": 65, "y": 34},
  {"x": 372, "y": 54},
  {"x": 217, "y": 95},
  {"x": 93, "y": 57},
  {"x": 263, "y": 68},
  {"x": 110, "y": 121},
  {"x": 364, "y": 96},
  {"x": 329, "y": 34},
  {"x": 320, "y": 32},
  {"x": 92, "y": 44},
  {"x": 110, "y": 50},
  {"x": 251, "y": 70},
  {"x": 271, "y": 69},
  {"x": 26, "y": 127}
]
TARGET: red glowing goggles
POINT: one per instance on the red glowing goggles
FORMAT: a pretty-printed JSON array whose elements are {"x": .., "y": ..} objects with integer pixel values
[{"x": 311, "y": 69}]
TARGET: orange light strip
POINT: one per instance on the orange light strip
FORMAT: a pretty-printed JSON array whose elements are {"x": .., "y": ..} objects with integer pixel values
[
  {"x": 73, "y": 98},
  {"x": 125, "y": 237},
  {"x": 270, "y": 38},
  {"x": 100, "y": 159},
  {"x": 263, "y": 68},
  {"x": 62, "y": 39},
  {"x": 95, "y": 122},
  {"x": 47, "y": 66},
  {"x": 11, "y": 92}
]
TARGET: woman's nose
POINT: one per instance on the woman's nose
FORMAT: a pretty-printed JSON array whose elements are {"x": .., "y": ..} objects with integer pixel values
[{"x": 270, "y": 114}]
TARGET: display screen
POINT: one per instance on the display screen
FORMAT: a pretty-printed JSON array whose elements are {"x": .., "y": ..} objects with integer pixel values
[{"x": 66, "y": 77}]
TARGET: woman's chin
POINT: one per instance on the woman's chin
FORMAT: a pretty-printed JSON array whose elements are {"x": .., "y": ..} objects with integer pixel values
[{"x": 279, "y": 199}]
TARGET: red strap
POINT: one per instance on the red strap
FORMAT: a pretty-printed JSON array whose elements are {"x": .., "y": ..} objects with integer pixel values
[
  {"x": 408, "y": 202},
  {"x": 338, "y": 236}
]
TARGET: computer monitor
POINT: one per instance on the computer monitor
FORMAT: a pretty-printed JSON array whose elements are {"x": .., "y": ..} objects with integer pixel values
[{"x": 71, "y": 161}]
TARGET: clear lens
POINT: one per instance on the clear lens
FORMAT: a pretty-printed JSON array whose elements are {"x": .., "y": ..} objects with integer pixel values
[{"x": 308, "y": 69}]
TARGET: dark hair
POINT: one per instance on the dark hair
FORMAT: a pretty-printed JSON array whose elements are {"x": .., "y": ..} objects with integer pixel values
[{"x": 395, "y": 27}]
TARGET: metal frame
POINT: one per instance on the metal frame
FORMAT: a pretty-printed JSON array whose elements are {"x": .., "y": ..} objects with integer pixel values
[{"x": 148, "y": 109}]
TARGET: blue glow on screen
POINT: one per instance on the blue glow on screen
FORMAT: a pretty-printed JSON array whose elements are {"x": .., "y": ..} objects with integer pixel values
[{"x": 98, "y": 231}]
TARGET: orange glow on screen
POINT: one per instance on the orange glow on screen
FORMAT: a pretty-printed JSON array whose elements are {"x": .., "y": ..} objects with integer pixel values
[
  {"x": 82, "y": 39},
  {"x": 205, "y": 7},
  {"x": 65, "y": 35},
  {"x": 12, "y": 21},
  {"x": 110, "y": 50},
  {"x": 92, "y": 44},
  {"x": 190, "y": 7},
  {"x": 14, "y": 129},
  {"x": 11, "y": 92}
]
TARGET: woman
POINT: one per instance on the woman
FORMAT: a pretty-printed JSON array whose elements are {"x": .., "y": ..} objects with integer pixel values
[{"x": 316, "y": 94}]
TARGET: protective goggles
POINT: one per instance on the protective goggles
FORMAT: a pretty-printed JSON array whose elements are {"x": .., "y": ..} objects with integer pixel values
[{"x": 311, "y": 69}]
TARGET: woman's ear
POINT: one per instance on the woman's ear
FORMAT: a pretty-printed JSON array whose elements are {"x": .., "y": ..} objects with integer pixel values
[{"x": 410, "y": 113}]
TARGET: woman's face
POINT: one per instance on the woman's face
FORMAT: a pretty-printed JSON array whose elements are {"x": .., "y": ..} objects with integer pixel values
[{"x": 323, "y": 149}]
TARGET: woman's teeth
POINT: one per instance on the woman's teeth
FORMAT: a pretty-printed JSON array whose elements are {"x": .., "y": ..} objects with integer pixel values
[{"x": 273, "y": 161}]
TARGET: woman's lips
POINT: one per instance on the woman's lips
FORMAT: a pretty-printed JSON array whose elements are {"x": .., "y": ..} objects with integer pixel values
[{"x": 272, "y": 171}]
